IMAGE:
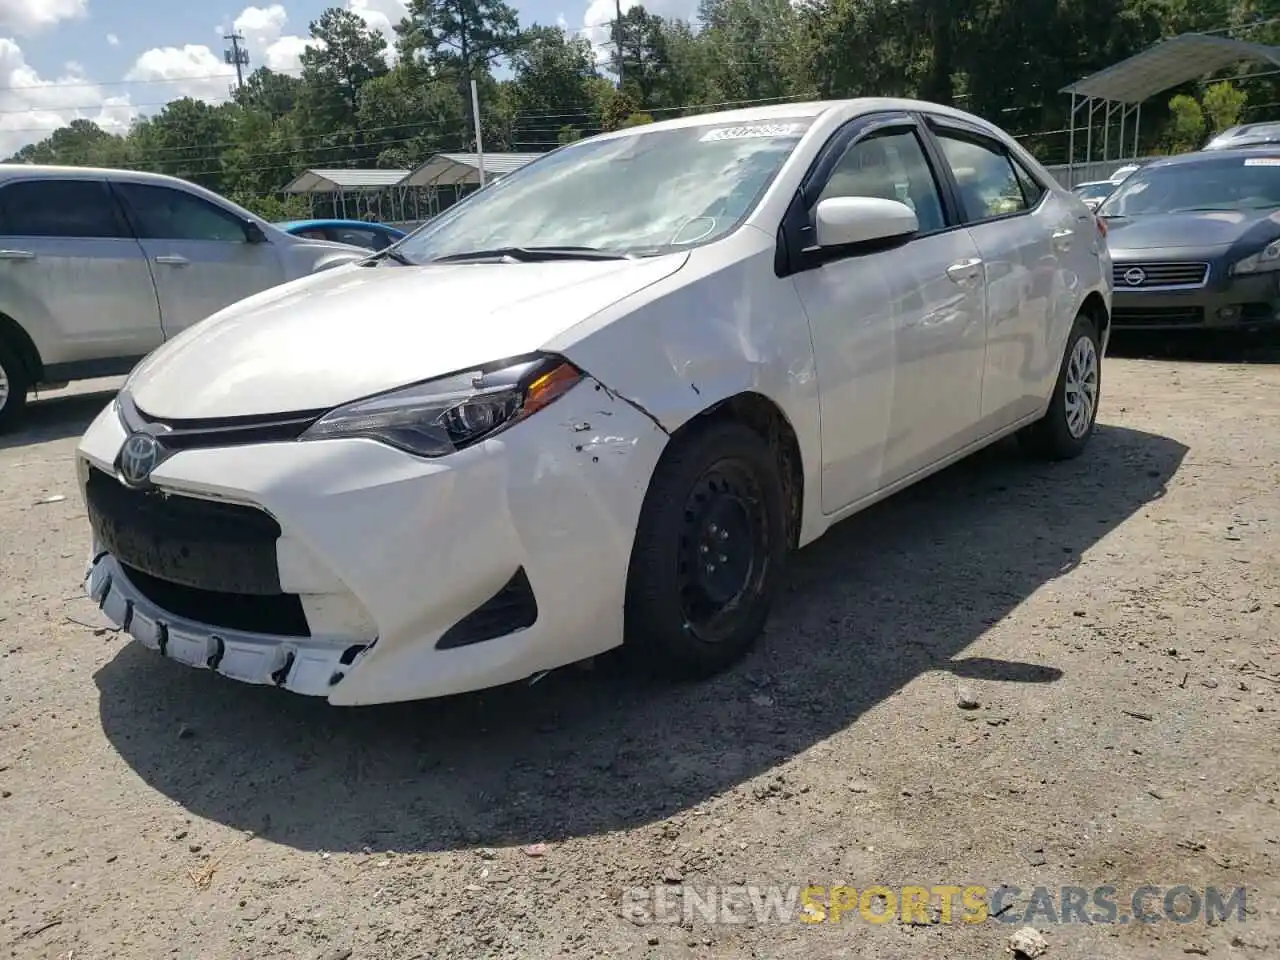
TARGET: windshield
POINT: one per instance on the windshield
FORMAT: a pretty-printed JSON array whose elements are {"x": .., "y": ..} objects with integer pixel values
[
  {"x": 1231, "y": 183},
  {"x": 1094, "y": 191},
  {"x": 641, "y": 194}
]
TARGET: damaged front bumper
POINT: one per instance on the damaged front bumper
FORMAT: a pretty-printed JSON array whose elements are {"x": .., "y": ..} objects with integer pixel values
[{"x": 382, "y": 576}]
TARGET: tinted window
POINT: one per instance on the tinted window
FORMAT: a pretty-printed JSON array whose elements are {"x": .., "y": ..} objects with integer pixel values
[
  {"x": 1032, "y": 191},
  {"x": 360, "y": 238},
  {"x": 988, "y": 183},
  {"x": 59, "y": 208},
  {"x": 311, "y": 233},
  {"x": 162, "y": 213},
  {"x": 892, "y": 167}
]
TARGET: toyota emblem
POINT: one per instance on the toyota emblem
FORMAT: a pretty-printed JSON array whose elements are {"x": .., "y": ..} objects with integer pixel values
[
  {"x": 138, "y": 457},
  {"x": 1135, "y": 276}
]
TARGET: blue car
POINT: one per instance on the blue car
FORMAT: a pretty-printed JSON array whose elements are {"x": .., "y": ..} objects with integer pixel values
[{"x": 359, "y": 233}]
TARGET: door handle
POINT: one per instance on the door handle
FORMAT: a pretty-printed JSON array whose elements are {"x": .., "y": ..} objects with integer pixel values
[
  {"x": 964, "y": 272},
  {"x": 173, "y": 260},
  {"x": 17, "y": 255}
]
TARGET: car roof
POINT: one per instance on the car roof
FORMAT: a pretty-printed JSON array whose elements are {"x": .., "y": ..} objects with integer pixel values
[
  {"x": 801, "y": 110},
  {"x": 348, "y": 224},
  {"x": 1217, "y": 156}
]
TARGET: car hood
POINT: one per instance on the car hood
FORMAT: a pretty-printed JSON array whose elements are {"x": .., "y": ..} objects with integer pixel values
[
  {"x": 1199, "y": 229},
  {"x": 352, "y": 331}
]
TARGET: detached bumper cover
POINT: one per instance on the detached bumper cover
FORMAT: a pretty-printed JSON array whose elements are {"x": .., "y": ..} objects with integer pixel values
[{"x": 386, "y": 554}]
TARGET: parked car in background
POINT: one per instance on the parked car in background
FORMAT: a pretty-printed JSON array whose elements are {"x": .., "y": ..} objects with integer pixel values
[
  {"x": 1245, "y": 135},
  {"x": 358, "y": 233},
  {"x": 1094, "y": 192},
  {"x": 630, "y": 399},
  {"x": 98, "y": 267},
  {"x": 1195, "y": 241}
]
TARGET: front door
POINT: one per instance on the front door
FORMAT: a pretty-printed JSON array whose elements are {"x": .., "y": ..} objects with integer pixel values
[
  {"x": 200, "y": 254},
  {"x": 898, "y": 335},
  {"x": 72, "y": 275}
]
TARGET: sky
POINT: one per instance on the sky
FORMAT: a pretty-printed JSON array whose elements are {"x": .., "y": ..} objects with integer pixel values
[{"x": 110, "y": 61}]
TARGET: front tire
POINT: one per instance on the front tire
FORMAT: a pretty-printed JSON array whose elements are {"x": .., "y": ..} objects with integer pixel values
[
  {"x": 13, "y": 388},
  {"x": 708, "y": 554},
  {"x": 1064, "y": 431}
]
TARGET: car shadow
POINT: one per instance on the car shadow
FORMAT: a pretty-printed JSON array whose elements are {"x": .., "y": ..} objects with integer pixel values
[
  {"x": 899, "y": 590},
  {"x": 56, "y": 418},
  {"x": 1197, "y": 346}
]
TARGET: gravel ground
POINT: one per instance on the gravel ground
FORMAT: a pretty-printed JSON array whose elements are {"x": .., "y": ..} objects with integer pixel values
[{"x": 1113, "y": 619}]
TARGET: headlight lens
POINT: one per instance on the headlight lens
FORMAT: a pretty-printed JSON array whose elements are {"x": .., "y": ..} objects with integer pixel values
[
  {"x": 442, "y": 416},
  {"x": 1268, "y": 258}
]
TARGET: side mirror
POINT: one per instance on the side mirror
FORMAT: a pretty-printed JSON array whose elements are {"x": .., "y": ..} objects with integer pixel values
[
  {"x": 840, "y": 221},
  {"x": 253, "y": 233}
]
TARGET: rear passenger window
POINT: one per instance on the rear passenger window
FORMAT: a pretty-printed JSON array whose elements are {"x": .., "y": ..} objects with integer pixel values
[
  {"x": 989, "y": 184},
  {"x": 59, "y": 208}
]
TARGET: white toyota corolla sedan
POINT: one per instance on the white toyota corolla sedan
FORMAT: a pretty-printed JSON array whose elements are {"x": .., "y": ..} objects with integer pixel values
[{"x": 596, "y": 403}]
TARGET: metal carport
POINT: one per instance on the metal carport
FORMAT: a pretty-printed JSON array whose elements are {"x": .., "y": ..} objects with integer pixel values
[
  {"x": 1126, "y": 85},
  {"x": 369, "y": 185}
]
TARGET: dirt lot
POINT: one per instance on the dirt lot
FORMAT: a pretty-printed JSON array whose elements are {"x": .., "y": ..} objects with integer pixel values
[{"x": 1115, "y": 619}]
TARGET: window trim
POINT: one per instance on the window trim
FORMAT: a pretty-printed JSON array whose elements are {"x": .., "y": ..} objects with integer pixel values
[
  {"x": 794, "y": 254},
  {"x": 954, "y": 128},
  {"x": 118, "y": 189},
  {"x": 122, "y": 224}
]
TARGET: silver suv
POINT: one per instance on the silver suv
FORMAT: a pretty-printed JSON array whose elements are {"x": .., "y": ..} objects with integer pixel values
[
  {"x": 99, "y": 267},
  {"x": 1246, "y": 135}
]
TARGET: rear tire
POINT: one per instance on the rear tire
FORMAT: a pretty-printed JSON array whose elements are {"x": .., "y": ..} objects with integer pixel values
[
  {"x": 14, "y": 385},
  {"x": 1064, "y": 431},
  {"x": 708, "y": 554}
]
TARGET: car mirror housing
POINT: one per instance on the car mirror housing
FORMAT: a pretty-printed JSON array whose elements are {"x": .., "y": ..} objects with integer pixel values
[
  {"x": 254, "y": 233},
  {"x": 841, "y": 221}
]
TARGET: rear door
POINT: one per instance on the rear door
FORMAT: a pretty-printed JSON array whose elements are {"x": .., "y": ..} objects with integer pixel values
[
  {"x": 1022, "y": 231},
  {"x": 200, "y": 253},
  {"x": 72, "y": 274}
]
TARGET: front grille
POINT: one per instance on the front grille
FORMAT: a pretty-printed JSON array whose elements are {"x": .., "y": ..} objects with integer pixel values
[
  {"x": 223, "y": 547},
  {"x": 1157, "y": 316},
  {"x": 177, "y": 435},
  {"x": 280, "y": 614},
  {"x": 211, "y": 562},
  {"x": 1145, "y": 274}
]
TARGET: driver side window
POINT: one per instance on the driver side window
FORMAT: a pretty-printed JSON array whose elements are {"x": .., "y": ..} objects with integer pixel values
[
  {"x": 890, "y": 166},
  {"x": 162, "y": 213}
]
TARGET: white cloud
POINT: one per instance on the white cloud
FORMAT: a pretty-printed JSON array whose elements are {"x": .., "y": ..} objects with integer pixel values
[
  {"x": 32, "y": 107},
  {"x": 381, "y": 15},
  {"x": 188, "y": 71},
  {"x": 31, "y": 16},
  {"x": 113, "y": 40},
  {"x": 268, "y": 44}
]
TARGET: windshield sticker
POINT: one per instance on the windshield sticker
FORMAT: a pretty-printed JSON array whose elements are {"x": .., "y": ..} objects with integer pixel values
[
  {"x": 753, "y": 131},
  {"x": 1262, "y": 162}
]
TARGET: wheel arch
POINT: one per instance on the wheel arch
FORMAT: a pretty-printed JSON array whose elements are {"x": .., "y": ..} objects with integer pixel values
[
  {"x": 1095, "y": 308},
  {"x": 763, "y": 416},
  {"x": 12, "y": 333}
]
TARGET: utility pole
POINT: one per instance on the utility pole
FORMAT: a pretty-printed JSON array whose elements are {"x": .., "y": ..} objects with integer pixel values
[
  {"x": 617, "y": 29},
  {"x": 236, "y": 55}
]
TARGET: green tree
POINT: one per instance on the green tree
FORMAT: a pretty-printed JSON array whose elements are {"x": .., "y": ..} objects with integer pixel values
[
  {"x": 551, "y": 88},
  {"x": 471, "y": 33},
  {"x": 1223, "y": 104},
  {"x": 1186, "y": 126}
]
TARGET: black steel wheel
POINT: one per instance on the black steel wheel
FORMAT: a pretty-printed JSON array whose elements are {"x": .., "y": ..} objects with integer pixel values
[{"x": 708, "y": 553}]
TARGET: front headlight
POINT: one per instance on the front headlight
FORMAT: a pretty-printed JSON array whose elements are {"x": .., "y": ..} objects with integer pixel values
[
  {"x": 1268, "y": 258},
  {"x": 442, "y": 416}
]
